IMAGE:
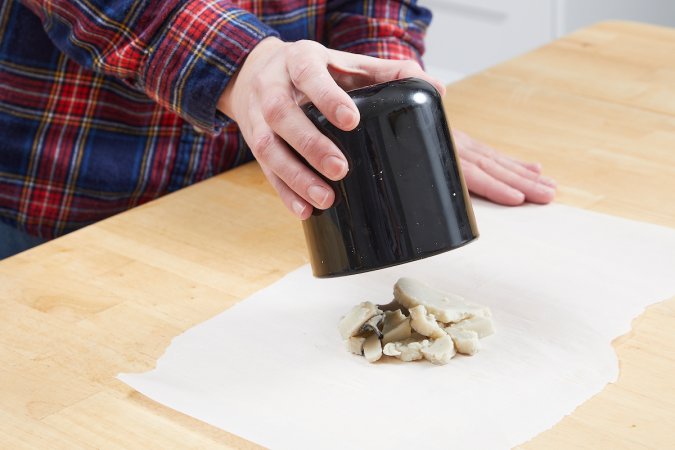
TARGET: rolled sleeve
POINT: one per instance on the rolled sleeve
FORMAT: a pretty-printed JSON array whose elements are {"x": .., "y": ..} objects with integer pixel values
[
  {"x": 181, "y": 53},
  {"x": 199, "y": 51}
]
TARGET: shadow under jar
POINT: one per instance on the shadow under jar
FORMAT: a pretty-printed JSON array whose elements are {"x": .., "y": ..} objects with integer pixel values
[{"x": 404, "y": 197}]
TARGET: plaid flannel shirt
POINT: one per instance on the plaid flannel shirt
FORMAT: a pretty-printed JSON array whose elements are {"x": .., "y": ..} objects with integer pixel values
[{"x": 105, "y": 105}]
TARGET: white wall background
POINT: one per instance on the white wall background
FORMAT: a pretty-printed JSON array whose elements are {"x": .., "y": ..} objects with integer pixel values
[{"x": 467, "y": 36}]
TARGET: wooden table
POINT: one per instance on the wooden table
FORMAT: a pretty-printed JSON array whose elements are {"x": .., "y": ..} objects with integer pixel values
[{"x": 597, "y": 108}]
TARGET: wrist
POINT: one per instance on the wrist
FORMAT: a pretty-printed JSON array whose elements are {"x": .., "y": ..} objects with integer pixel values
[{"x": 227, "y": 100}]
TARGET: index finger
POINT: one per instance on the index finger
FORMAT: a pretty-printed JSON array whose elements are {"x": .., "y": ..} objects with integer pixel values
[
  {"x": 309, "y": 73},
  {"x": 287, "y": 120}
]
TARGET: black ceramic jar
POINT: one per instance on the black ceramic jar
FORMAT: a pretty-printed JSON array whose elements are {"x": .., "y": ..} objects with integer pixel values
[{"x": 404, "y": 197}]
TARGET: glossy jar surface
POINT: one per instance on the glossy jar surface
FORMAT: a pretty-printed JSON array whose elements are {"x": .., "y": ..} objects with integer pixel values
[{"x": 404, "y": 197}]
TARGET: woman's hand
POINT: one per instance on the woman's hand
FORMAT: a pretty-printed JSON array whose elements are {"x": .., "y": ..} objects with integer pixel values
[
  {"x": 500, "y": 178},
  {"x": 263, "y": 99}
]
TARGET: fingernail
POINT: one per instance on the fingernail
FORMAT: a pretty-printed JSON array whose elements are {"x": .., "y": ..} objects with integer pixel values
[
  {"x": 318, "y": 194},
  {"x": 334, "y": 167},
  {"x": 518, "y": 197},
  {"x": 345, "y": 116},
  {"x": 298, "y": 207},
  {"x": 548, "y": 182}
]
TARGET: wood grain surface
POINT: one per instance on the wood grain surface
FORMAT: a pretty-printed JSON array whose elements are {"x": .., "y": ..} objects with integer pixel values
[{"x": 597, "y": 108}]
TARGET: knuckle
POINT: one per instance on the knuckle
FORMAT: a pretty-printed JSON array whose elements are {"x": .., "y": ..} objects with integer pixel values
[
  {"x": 275, "y": 108},
  {"x": 469, "y": 170},
  {"x": 301, "y": 70},
  {"x": 484, "y": 163},
  {"x": 292, "y": 51},
  {"x": 324, "y": 95},
  {"x": 296, "y": 180},
  {"x": 273, "y": 180},
  {"x": 482, "y": 148},
  {"x": 408, "y": 67},
  {"x": 413, "y": 66},
  {"x": 258, "y": 81},
  {"x": 306, "y": 45},
  {"x": 262, "y": 147},
  {"x": 488, "y": 151},
  {"x": 269, "y": 175},
  {"x": 308, "y": 144},
  {"x": 326, "y": 99},
  {"x": 299, "y": 49},
  {"x": 467, "y": 166}
]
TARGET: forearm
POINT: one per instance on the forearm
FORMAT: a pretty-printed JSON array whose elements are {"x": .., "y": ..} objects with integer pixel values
[{"x": 181, "y": 53}]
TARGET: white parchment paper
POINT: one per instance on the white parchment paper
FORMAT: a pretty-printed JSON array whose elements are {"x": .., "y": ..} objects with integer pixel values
[{"x": 562, "y": 283}]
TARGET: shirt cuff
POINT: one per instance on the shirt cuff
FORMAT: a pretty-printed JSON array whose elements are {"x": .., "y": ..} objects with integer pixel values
[{"x": 197, "y": 54}]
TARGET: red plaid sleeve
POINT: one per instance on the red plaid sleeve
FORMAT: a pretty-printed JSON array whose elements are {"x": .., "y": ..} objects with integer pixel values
[
  {"x": 391, "y": 29},
  {"x": 181, "y": 53}
]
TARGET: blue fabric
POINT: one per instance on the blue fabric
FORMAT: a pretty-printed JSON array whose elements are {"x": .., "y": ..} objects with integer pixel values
[{"x": 13, "y": 241}]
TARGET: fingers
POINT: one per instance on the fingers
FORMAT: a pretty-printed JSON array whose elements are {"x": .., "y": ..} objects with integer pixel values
[
  {"x": 275, "y": 156},
  {"x": 278, "y": 159},
  {"x": 296, "y": 204},
  {"x": 533, "y": 167},
  {"x": 377, "y": 70},
  {"x": 524, "y": 171},
  {"x": 536, "y": 187},
  {"x": 466, "y": 143},
  {"x": 534, "y": 190},
  {"x": 288, "y": 121},
  {"x": 308, "y": 72},
  {"x": 485, "y": 185}
]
